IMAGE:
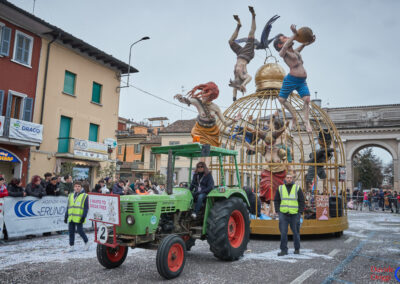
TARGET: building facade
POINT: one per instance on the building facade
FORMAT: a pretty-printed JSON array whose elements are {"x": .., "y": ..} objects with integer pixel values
[
  {"x": 20, "y": 47},
  {"x": 75, "y": 109}
]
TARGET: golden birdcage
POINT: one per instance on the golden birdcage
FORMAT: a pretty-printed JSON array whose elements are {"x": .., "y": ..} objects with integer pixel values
[{"x": 270, "y": 145}]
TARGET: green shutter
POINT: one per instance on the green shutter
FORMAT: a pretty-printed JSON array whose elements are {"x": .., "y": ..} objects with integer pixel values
[
  {"x": 93, "y": 132},
  {"x": 63, "y": 137},
  {"x": 69, "y": 83},
  {"x": 96, "y": 93}
]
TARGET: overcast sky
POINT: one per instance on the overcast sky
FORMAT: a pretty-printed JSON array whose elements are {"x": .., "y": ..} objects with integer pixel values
[{"x": 354, "y": 61}]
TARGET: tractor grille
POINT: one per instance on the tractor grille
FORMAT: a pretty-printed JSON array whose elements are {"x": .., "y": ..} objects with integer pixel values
[
  {"x": 167, "y": 209},
  {"x": 147, "y": 207},
  {"x": 127, "y": 207}
]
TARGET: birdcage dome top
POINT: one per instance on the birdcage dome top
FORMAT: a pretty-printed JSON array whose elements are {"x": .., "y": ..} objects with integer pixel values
[{"x": 269, "y": 76}]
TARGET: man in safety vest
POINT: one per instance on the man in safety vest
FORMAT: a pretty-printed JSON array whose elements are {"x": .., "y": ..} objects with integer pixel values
[
  {"x": 289, "y": 202},
  {"x": 75, "y": 215}
]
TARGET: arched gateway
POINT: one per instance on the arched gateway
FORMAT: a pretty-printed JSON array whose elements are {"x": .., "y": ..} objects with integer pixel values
[{"x": 363, "y": 126}]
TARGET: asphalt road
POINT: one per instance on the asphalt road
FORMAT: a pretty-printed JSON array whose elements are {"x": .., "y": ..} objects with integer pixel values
[{"x": 373, "y": 240}]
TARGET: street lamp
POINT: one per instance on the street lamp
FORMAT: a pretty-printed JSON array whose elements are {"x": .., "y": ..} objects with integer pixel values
[{"x": 130, "y": 53}]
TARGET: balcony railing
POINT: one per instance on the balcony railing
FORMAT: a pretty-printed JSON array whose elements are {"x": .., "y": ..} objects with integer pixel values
[{"x": 21, "y": 132}]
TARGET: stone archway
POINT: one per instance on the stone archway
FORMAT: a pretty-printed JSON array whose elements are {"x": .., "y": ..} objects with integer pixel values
[{"x": 390, "y": 145}]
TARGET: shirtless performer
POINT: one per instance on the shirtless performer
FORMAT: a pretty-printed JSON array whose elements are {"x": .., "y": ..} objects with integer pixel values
[
  {"x": 296, "y": 79},
  {"x": 244, "y": 55},
  {"x": 206, "y": 125},
  {"x": 274, "y": 173}
]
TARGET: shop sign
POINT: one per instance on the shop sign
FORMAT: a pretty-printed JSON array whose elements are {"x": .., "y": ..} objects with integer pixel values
[
  {"x": 1, "y": 125},
  {"x": 6, "y": 156},
  {"x": 110, "y": 142},
  {"x": 25, "y": 130},
  {"x": 91, "y": 155},
  {"x": 90, "y": 146}
]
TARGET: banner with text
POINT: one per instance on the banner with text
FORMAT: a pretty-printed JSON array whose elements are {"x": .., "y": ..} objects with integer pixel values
[
  {"x": 104, "y": 208},
  {"x": 30, "y": 215},
  {"x": 25, "y": 130}
]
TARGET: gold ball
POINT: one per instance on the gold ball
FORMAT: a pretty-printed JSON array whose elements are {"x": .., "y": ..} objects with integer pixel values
[
  {"x": 269, "y": 76},
  {"x": 304, "y": 35}
]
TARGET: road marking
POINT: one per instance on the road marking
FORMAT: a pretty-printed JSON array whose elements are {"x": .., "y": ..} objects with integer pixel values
[
  {"x": 334, "y": 252},
  {"x": 339, "y": 269},
  {"x": 304, "y": 276},
  {"x": 349, "y": 240}
]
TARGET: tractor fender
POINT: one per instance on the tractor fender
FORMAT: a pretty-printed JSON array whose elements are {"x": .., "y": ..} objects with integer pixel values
[{"x": 216, "y": 195}]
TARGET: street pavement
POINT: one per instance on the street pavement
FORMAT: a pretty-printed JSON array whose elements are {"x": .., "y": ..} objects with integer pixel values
[{"x": 372, "y": 242}]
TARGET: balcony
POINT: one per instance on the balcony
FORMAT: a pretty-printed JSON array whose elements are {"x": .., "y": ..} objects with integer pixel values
[
  {"x": 82, "y": 149},
  {"x": 20, "y": 132}
]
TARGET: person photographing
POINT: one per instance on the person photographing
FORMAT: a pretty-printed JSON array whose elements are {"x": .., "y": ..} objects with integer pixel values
[{"x": 289, "y": 202}]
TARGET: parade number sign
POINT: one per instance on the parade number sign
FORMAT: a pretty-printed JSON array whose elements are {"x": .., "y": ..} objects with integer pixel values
[
  {"x": 104, "y": 208},
  {"x": 30, "y": 215},
  {"x": 322, "y": 205}
]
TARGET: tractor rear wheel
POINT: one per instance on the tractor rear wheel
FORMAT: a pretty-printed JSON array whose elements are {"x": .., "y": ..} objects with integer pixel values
[
  {"x": 228, "y": 229},
  {"x": 171, "y": 257},
  {"x": 111, "y": 257}
]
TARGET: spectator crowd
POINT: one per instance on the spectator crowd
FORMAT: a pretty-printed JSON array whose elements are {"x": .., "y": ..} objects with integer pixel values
[
  {"x": 62, "y": 186},
  {"x": 374, "y": 200}
]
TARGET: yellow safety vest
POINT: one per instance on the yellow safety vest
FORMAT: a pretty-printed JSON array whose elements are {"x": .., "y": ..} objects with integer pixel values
[
  {"x": 289, "y": 203},
  {"x": 75, "y": 207}
]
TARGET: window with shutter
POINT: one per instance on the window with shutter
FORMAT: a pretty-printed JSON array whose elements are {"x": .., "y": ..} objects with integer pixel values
[
  {"x": 96, "y": 93},
  {"x": 69, "y": 83},
  {"x": 23, "y": 48},
  {"x": 93, "y": 132},
  {"x": 28, "y": 106},
  {"x": 64, "y": 134},
  {"x": 1, "y": 101},
  {"x": 5, "y": 41}
]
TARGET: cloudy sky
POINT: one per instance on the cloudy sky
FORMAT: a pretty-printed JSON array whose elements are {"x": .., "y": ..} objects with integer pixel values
[{"x": 354, "y": 60}]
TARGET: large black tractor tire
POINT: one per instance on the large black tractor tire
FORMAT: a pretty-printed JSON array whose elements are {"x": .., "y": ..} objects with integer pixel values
[
  {"x": 171, "y": 257},
  {"x": 228, "y": 229},
  {"x": 111, "y": 257}
]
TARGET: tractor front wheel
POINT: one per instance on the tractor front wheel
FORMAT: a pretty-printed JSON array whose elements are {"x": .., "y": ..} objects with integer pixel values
[
  {"x": 171, "y": 257},
  {"x": 228, "y": 229},
  {"x": 111, "y": 257}
]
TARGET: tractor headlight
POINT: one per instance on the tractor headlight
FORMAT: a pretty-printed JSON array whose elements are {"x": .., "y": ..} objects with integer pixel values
[{"x": 130, "y": 220}]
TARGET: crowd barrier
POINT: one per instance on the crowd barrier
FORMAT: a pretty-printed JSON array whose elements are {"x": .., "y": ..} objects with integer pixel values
[{"x": 30, "y": 215}]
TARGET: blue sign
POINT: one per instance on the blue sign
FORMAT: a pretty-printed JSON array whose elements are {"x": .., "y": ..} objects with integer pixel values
[{"x": 6, "y": 156}]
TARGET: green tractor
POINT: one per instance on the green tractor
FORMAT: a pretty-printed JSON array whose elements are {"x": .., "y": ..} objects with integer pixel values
[{"x": 164, "y": 222}]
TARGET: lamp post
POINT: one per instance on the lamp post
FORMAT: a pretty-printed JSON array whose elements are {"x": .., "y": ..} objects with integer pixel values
[{"x": 130, "y": 53}]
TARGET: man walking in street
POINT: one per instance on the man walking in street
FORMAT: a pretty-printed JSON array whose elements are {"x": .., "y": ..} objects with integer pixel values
[
  {"x": 289, "y": 202},
  {"x": 75, "y": 215}
]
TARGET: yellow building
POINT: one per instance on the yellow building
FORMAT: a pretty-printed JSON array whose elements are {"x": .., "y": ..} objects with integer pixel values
[{"x": 77, "y": 102}]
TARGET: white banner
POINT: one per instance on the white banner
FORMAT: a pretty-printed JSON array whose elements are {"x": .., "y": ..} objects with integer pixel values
[
  {"x": 105, "y": 208},
  {"x": 30, "y": 215},
  {"x": 90, "y": 146},
  {"x": 1, "y": 125},
  {"x": 25, "y": 130},
  {"x": 1, "y": 218},
  {"x": 92, "y": 156}
]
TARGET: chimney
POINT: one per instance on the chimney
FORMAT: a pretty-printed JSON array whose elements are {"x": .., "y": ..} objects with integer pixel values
[{"x": 317, "y": 101}]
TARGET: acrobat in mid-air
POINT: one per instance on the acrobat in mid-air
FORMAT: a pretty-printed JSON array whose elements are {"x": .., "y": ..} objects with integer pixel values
[
  {"x": 296, "y": 79},
  {"x": 244, "y": 55},
  {"x": 206, "y": 127}
]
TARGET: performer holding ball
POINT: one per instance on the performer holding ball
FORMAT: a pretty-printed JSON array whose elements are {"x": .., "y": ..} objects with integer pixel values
[{"x": 296, "y": 79}]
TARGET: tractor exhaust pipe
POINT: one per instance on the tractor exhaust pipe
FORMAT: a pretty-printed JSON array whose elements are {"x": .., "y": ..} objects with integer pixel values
[{"x": 170, "y": 173}]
